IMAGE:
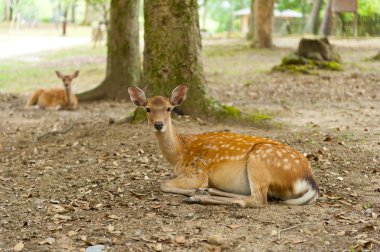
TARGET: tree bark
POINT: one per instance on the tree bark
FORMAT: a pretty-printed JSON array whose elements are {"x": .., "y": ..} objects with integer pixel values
[
  {"x": 73, "y": 11},
  {"x": 172, "y": 54},
  {"x": 251, "y": 22},
  {"x": 263, "y": 23},
  {"x": 327, "y": 20},
  {"x": 312, "y": 21},
  {"x": 64, "y": 23},
  {"x": 123, "y": 56},
  {"x": 6, "y": 10},
  {"x": 86, "y": 13}
]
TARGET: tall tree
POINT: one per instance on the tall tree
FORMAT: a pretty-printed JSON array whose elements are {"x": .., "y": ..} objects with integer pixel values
[
  {"x": 312, "y": 21},
  {"x": 327, "y": 19},
  {"x": 263, "y": 23},
  {"x": 123, "y": 56},
  {"x": 173, "y": 56}
]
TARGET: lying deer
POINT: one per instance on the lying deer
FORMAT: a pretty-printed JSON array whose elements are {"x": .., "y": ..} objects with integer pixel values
[
  {"x": 58, "y": 98},
  {"x": 225, "y": 167}
]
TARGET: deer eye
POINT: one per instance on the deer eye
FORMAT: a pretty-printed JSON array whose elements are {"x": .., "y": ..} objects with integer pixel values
[
  {"x": 168, "y": 109},
  {"x": 148, "y": 110}
]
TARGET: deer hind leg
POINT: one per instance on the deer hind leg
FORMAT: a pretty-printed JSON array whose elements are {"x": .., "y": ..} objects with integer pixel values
[
  {"x": 259, "y": 181},
  {"x": 185, "y": 184}
]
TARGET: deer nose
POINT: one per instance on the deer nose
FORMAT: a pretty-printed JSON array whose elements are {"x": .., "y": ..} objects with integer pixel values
[{"x": 158, "y": 125}]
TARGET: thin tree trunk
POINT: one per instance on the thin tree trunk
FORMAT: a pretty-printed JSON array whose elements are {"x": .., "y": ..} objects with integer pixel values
[
  {"x": 312, "y": 21},
  {"x": 64, "y": 23},
  {"x": 73, "y": 12},
  {"x": 263, "y": 23},
  {"x": 327, "y": 20},
  {"x": 123, "y": 56},
  {"x": 10, "y": 17},
  {"x": 251, "y": 22},
  {"x": 6, "y": 10},
  {"x": 86, "y": 14}
]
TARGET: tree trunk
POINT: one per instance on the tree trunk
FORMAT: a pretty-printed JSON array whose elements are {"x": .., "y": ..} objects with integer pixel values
[
  {"x": 327, "y": 20},
  {"x": 86, "y": 14},
  {"x": 263, "y": 23},
  {"x": 172, "y": 54},
  {"x": 251, "y": 22},
  {"x": 10, "y": 16},
  {"x": 73, "y": 12},
  {"x": 64, "y": 23},
  {"x": 312, "y": 21},
  {"x": 6, "y": 10},
  {"x": 123, "y": 56}
]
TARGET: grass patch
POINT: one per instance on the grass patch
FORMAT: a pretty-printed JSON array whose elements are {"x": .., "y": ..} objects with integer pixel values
[{"x": 29, "y": 73}]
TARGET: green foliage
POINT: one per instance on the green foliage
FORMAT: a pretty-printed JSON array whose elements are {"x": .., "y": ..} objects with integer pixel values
[
  {"x": 297, "y": 5},
  {"x": 368, "y": 7},
  {"x": 220, "y": 12}
]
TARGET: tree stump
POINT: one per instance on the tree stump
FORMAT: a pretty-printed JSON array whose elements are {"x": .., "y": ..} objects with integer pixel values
[{"x": 311, "y": 55}]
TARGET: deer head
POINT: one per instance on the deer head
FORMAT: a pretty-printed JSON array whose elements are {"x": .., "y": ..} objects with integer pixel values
[
  {"x": 158, "y": 108},
  {"x": 67, "y": 79}
]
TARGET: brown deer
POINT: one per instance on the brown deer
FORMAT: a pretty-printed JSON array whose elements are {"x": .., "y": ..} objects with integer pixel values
[
  {"x": 225, "y": 167},
  {"x": 57, "y": 98}
]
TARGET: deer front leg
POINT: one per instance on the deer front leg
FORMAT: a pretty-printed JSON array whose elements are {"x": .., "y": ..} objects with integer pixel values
[{"x": 185, "y": 184}]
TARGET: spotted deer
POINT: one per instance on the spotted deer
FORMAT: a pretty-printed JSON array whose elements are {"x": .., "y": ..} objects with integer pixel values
[
  {"x": 225, "y": 167},
  {"x": 57, "y": 98}
]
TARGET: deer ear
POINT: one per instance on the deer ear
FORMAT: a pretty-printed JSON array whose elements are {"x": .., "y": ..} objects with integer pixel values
[
  {"x": 75, "y": 74},
  {"x": 137, "y": 96},
  {"x": 59, "y": 75},
  {"x": 179, "y": 95}
]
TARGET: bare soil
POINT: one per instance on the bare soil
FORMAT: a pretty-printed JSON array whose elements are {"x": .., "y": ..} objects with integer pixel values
[{"x": 98, "y": 182}]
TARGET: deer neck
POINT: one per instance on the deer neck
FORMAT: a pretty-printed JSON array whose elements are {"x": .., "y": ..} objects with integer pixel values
[
  {"x": 68, "y": 95},
  {"x": 171, "y": 145}
]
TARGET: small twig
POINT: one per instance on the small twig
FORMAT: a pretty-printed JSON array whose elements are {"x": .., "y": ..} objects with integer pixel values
[
  {"x": 287, "y": 229},
  {"x": 53, "y": 133}
]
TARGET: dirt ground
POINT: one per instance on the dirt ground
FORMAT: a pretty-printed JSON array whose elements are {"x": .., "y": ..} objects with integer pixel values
[{"x": 98, "y": 183}]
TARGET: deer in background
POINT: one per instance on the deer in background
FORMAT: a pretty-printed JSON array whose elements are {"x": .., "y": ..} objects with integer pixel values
[
  {"x": 225, "y": 167},
  {"x": 98, "y": 33},
  {"x": 57, "y": 98}
]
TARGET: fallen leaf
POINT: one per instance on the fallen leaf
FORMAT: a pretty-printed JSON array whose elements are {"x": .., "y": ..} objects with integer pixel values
[
  {"x": 157, "y": 247},
  {"x": 234, "y": 226},
  {"x": 167, "y": 229},
  {"x": 110, "y": 228},
  {"x": 71, "y": 233},
  {"x": 341, "y": 233},
  {"x": 48, "y": 241},
  {"x": 115, "y": 217},
  {"x": 53, "y": 209},
  {"x": 180, "y": 239},
  {"x": 18, "y": 247}
]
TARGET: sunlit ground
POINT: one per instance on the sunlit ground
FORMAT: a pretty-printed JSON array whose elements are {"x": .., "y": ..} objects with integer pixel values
[{"x": 29, "y": 57}]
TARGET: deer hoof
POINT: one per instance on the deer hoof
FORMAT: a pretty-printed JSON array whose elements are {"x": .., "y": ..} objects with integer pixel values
[
  {"x": 202, "y": 191},
  {"x": 191, "y": 200}
]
